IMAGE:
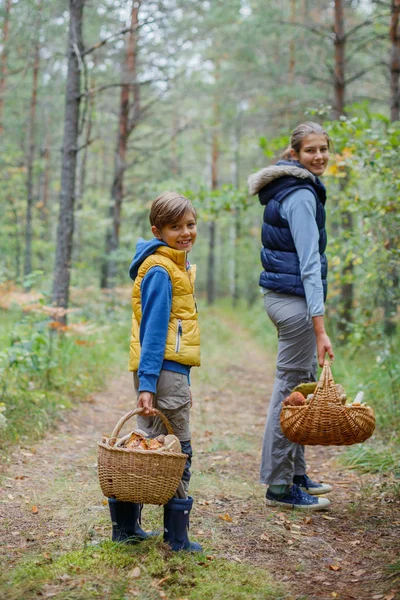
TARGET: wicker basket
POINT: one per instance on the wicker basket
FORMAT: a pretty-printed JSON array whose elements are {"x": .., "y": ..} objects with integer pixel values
[
  {"x": 137, "y": 475},
  {"x": 325, "y": 420}
]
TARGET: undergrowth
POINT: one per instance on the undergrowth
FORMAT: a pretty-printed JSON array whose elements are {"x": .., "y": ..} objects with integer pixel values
[{"x": 43, "y": 372}]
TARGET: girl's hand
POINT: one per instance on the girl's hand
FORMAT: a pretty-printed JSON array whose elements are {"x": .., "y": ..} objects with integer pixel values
[
  {"x": 324, "y": 346},
  {"x": 145, "y": 401},
  {"x": 323, "y": 342}
]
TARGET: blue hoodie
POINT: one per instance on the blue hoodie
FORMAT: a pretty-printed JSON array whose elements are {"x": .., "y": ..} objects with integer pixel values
[{"x": 156, "y": 301}]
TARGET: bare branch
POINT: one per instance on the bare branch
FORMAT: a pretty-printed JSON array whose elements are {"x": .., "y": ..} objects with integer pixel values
[
  {"x": 363, "y": 72},
  {"x": 115, "y": 35},
  {"x": 362, "y": 45},
  {"x": 106, "y": 86},
  {"x": 352, "y": 31},
  {"x": 88, "y": 143},
  {"x": 324, "y": 32}
]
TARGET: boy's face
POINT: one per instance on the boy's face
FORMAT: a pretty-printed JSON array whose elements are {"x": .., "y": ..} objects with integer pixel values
[{"x": 180, "y": 235}]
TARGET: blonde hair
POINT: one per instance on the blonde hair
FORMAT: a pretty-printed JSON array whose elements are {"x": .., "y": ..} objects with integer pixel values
[
  {"x": 301, "y": 131},
  {"x": 169, "y": 208}
]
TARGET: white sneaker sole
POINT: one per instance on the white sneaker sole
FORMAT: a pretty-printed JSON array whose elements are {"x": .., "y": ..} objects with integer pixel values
[
  {"x": 322, "y": 504},
  {"x": 325, "y": 489}
]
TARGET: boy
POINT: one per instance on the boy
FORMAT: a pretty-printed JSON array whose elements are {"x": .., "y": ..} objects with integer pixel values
[{"x": 165, "y": 344}]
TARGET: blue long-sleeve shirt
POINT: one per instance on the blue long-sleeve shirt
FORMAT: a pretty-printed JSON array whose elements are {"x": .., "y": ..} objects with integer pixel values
[{"x": 299, "y": 209}]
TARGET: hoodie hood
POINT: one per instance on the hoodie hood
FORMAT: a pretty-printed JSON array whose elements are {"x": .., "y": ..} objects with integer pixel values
[
  {"x": 282, "y": 168},
  {"x": 143, "y": 249}
]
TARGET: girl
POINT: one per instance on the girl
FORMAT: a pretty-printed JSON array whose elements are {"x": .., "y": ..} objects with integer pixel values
[{"x": 294, "y": 286}]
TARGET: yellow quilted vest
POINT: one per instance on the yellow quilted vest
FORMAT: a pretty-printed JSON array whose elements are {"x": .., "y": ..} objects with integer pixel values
[{"x": 183, "y": 338}]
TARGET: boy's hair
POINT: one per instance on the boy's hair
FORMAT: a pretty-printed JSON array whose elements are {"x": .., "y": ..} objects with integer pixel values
[{"x": 169, "y": 207}]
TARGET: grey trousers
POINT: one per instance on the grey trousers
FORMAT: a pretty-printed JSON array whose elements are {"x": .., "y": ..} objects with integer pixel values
[
  {"x": 172, "y": 398},
  {"x": 296, "y": 362}
]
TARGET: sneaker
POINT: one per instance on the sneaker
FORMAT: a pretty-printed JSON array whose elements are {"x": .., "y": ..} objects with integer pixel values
[
  {"x": 296, "y": 498},
  {"x": 311, "y": 487}
]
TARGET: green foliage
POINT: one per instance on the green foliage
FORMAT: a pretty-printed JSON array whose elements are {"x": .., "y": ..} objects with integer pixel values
[{"x": 42, "y": 370}]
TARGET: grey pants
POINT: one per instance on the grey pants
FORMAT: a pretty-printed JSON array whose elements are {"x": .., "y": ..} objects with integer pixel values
[
  {"x": 172, "y": 398},
  {"x": 296, "y": 362}
]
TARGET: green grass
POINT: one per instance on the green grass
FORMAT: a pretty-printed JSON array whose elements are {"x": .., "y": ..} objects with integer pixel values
[{"x": 117, "y": 572}]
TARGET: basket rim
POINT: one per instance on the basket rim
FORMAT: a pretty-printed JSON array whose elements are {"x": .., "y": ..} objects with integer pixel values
[
  {"x": 338, "y": 406},
  {"x": 141, "y": 451}
]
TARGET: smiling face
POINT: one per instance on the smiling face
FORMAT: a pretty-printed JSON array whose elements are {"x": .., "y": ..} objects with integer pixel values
[
  {"x": 180, "y": 235},
  {"x": 314, "y": 153}
]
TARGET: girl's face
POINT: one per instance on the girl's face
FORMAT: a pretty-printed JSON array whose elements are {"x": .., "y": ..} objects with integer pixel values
[
  {"x": 314, "y": 153},
  {"x": 181, "y": 235}
]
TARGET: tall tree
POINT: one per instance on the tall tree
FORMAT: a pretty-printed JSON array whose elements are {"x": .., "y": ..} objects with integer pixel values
[
  {"x": 31, "y": 148},
  {"x": 4, "y": 59},
  {"x": 395, "y": 61},
  {"x": 129, "y": 111},
  {"x": 65, "y": 230},
  {"x": 393, "y": 279}
]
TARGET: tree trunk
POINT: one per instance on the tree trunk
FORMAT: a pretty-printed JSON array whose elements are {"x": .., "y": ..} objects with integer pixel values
[
  {"x": 292, "y": 46},
  {"x": 391, "y": 291},
  {"x": 30, "y": 161},
  {"x": 127, "y": 122},
  {"x": 346, "y": 217},
  {"x": 235, "y": 226},
  {"x": 3, "y": 59},
  {"x": 214, "y": 186},
  {"x": 44, "y": 180},
  {"x": 65, "y": 231},
  {"x": 395, "y": 61},
  {"x": 340, "y": 40},
  {"x": 174, "y": 145}
]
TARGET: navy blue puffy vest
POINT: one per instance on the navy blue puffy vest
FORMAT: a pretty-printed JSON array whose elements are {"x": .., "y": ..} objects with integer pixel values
[{"x": 278, "y": 255}]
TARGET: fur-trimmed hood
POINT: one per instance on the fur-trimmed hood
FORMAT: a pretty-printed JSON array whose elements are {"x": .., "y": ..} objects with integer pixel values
[{"x": 283, "y": 168}]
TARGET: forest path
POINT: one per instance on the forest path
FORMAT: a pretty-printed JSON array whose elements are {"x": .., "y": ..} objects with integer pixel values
[{"x": 50, "y": 499}]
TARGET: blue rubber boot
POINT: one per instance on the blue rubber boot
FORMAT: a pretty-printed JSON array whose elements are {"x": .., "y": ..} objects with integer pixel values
[
  {"x": 125, "y": 517},
  {"x": 176, "y": 525}
]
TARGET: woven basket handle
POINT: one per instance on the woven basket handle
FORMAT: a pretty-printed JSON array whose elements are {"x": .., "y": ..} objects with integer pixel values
[
  {"x": 131, "y": 413},
  {"x": 326, "y": 390}
]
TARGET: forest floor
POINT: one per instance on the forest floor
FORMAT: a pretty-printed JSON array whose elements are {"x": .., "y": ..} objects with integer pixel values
[{"x": 50, "y": 500}]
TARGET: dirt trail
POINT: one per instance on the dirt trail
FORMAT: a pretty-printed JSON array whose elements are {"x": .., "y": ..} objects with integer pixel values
[{"x": 50, "y": 495}]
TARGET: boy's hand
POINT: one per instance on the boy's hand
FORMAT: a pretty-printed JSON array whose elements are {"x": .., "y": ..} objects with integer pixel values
[
  {"x": 145, "y": 401},
  {"x": 191, "y": 398}
]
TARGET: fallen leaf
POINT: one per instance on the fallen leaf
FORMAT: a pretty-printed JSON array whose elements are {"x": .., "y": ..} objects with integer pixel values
[
  {"x": 355, "y": 543},
  {"x": 335, "y": 594},
  {"x": 389, "y": 597},
  {"x": 265, "y": 537},
  {"x": 328, "y": 518},
  {"x": 34, "y": 510},
  {"x": 135, "y": 573},
  {"x": 335, "y": 567},
  {"x": 307, "y": 520},
  {"x": 226, "y": 517}
]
